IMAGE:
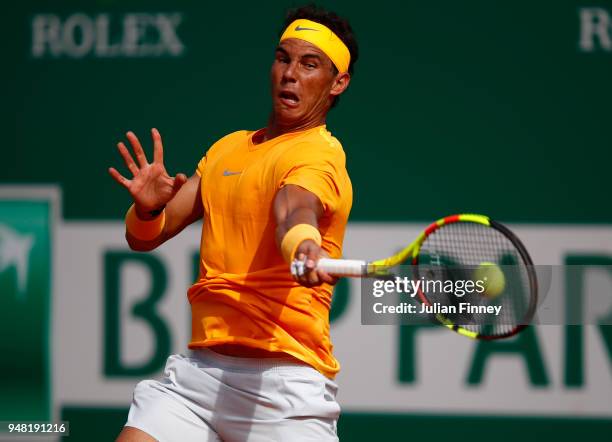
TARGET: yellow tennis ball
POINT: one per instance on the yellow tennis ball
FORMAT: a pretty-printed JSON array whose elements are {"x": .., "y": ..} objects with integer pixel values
[{"x": 492, "y": 277}]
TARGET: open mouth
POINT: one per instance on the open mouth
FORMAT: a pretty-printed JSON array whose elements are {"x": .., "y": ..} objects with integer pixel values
[{"x": 289, "y": 98}]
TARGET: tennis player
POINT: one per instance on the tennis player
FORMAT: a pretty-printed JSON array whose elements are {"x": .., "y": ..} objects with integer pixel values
[{"x": 260, "y": 366}]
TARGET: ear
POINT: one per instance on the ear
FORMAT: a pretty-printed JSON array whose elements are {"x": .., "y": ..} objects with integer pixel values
[{"x": 340, "y": 83}]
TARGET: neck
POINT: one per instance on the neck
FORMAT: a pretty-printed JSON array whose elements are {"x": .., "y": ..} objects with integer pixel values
[{"x": 276, "y": 128}]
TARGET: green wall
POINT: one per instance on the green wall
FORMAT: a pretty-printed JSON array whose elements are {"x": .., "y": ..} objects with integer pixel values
[{"x": 455, "y": 105}]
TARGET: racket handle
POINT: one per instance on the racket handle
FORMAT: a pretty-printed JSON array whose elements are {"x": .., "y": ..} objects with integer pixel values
[{"x": 343, "y": 267}]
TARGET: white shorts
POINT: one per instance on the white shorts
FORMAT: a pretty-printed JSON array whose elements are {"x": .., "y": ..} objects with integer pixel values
[{"x": 207, "y": 396}]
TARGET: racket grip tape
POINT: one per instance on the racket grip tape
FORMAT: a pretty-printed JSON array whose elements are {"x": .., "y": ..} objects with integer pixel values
[{"x": 343, "y": 267}]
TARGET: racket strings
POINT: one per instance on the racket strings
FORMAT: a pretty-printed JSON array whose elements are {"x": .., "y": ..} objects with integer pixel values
[{"x": 453, "y": 253}]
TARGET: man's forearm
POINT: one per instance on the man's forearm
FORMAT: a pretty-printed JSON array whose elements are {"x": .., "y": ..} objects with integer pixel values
[{"x": 301, "y": 215}]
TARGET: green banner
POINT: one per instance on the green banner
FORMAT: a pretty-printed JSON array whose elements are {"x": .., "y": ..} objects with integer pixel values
[
  {"x": 25, "y": 285},
  {"x": 494, "y": 107}
]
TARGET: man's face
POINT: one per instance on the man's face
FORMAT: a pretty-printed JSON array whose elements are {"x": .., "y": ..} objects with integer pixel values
[{"x": 302, "y": 77}]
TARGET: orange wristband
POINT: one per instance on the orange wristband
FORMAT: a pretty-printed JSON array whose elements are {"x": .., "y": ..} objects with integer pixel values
[
  {"x": 144, "y": 230},
  {"x": 295, "y": 236}
]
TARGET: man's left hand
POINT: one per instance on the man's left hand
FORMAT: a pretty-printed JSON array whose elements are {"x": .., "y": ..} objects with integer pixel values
[{"x": 304, "y": 267}]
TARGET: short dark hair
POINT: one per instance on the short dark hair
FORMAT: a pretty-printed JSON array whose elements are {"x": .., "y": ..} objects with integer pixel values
[{"x": 338, "y": 25}]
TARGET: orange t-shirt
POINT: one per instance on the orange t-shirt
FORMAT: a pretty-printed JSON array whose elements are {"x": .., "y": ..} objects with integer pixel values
[{"x": 245, "y": 293}]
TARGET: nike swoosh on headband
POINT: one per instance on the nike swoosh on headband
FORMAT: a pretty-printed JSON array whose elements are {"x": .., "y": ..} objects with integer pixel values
[{"x": 299, "y": 28}]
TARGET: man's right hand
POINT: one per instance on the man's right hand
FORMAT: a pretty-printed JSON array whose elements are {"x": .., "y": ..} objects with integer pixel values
[{"x": 151, "y": 187}]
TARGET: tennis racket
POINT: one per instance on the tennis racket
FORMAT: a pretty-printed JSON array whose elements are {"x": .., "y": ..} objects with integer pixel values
[{"x": 462, "y": 241}]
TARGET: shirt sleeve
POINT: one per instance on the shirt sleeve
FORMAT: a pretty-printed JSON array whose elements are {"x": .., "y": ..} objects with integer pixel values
[
  {"x": 318, "y": 169},
  {"x": 201, "y": 166}
]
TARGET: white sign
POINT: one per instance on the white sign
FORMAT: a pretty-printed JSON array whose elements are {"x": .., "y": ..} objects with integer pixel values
[{"x": 547, "y": 372}]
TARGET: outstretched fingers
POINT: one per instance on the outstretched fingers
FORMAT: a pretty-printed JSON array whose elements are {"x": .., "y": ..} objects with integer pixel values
[
  {"x": 127, "y": 159},
  {"x": 158, "y": 149},
  {"x": 138, "y": 151},
  {"x": 119, "y": 178}
]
